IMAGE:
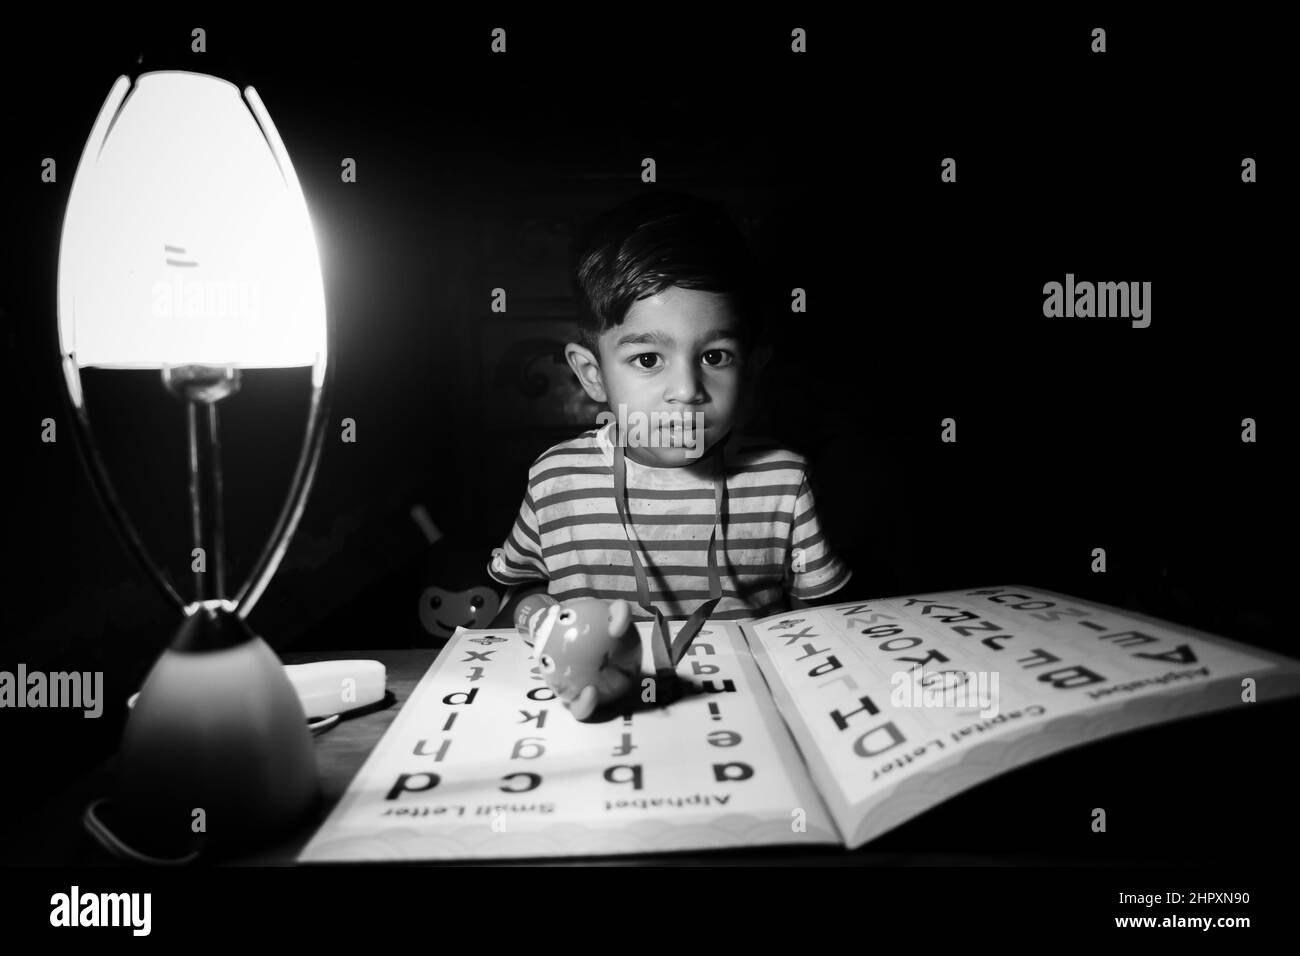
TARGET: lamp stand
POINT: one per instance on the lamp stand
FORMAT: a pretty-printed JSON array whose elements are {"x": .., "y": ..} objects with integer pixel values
[
  {"x": 216, "y": 754},
  {"x": 201, "y": 387}
]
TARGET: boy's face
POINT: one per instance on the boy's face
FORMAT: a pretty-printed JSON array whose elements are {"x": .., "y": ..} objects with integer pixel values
[{"x": 673, "y": 371}]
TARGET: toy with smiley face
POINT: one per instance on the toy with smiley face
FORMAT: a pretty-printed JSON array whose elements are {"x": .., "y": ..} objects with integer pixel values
[
  {"x": 443, "y": 610},
  {"x": 454, "y": 590},
  {"x": 587, "y": 650}
]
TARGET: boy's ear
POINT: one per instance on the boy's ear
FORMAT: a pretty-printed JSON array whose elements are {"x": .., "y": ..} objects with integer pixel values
[
  {"x": 586, "y": 366},
  {"x": 762, "y": 355}
]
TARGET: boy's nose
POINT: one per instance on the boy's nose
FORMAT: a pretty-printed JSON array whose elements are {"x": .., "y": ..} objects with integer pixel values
[{"x": 686, "y": 386}]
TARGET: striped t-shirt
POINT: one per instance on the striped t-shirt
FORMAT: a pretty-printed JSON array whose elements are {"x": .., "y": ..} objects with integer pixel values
[{"x": 568, "y": 532}]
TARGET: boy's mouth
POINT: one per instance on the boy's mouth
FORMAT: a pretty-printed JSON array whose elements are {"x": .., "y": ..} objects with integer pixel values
[
  {"x": 677, "y": 431},
  {"x": 680, "y": 422}
]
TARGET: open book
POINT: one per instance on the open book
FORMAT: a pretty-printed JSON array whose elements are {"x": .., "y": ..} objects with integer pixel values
[{"x": 825, "y": 725}]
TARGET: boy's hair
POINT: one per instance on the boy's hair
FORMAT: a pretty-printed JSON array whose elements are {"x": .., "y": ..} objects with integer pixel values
[{"x": 656, "y": 240}]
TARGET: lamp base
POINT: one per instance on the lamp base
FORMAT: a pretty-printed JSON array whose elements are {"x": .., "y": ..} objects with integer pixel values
[{"x": 216, "y": 752}]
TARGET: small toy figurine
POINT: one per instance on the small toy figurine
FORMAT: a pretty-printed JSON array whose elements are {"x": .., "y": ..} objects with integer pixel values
[
  {"x": 442, "y": 610},
  {"x": 454, "y": 590},
  {"x": 587, "y": 650}
]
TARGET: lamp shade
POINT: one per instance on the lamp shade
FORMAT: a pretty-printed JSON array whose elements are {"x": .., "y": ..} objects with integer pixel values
[{"x": 187, "y": 239}]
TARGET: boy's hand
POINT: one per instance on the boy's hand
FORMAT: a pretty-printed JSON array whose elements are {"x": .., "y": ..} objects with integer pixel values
[
  {"x": 506, "y": 616},
  {"x": 835, "y": 597}
]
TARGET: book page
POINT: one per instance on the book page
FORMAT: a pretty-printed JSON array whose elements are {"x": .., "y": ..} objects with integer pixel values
[
  {"x": 483, "y": 762},
  {"x": 912, "y": 699}
]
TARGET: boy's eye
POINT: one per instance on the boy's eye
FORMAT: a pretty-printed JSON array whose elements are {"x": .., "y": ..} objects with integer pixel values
[
  {"x": 646, "y": 360},
  {"x": 717, "y": 358}
]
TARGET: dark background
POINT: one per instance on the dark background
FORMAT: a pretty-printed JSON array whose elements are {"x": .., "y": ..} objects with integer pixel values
[{"x": 925, "y": 302}]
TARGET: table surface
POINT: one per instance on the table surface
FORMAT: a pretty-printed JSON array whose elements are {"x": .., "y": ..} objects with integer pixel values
[{"x": 54, "y": 835}]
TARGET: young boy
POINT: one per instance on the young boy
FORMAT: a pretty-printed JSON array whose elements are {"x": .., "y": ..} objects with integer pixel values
[{"x": 666, "y": 499}]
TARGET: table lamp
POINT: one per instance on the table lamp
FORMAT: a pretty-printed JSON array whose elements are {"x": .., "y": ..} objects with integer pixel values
[{"x": 187, "y": 247}]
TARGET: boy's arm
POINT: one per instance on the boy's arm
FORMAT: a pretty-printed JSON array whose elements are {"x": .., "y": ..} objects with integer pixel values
[
  {"x": 818, "y": 576},
  {"x": 519, "y": 564}
]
